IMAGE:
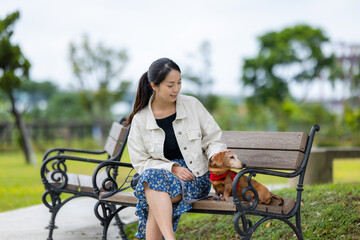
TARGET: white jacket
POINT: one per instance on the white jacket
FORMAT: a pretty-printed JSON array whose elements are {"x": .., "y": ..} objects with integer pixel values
[{"x": 197, "y": 133}]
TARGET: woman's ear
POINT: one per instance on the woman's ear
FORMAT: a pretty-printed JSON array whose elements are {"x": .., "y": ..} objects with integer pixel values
[{"x": 153, "y": 86}]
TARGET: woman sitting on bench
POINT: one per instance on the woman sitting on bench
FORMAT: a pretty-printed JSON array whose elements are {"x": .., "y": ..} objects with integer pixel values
[{"x": 172, "y": 137}]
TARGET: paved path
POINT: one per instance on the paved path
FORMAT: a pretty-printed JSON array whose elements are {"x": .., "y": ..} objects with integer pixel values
[{"x": 75, "y": 221}]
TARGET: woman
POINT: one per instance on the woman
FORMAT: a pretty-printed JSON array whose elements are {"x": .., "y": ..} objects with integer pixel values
[{"x": 172, "y": 137}]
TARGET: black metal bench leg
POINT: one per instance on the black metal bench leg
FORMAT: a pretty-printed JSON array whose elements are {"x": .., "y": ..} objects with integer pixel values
[
  {"x": 54, "y": 207},
  {"x": 119, "y": 223},
  {"x": 105, "y": 217},
  {"x": 108, "y": 212},
  {"x": 298, "y": 225},
  {"x": 246, "y": 224},
  {"x": 51, "y": 225}
]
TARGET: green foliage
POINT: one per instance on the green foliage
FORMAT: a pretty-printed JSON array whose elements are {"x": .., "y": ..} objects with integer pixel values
[
  {"x": 352, "y": 120},
  {"x": 74, "y": 110},
  {"x": 14, "y": 67},
  {"x": 296, "y": 48},
  {"x": 229, "y": 116},
  {"x": 34, "y": 96},
  {"x": 98, "y": 70},
  {"x": 295, "y": 54}
]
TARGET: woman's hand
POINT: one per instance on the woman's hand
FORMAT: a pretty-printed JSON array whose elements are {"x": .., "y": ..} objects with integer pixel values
[{"x": 182, "y": 173}]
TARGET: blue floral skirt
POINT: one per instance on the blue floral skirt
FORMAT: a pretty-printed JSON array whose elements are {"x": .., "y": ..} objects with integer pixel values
[{"x": 163, "y": 180}]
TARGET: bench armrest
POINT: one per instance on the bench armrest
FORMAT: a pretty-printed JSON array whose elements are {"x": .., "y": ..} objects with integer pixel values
[
  {"x": 59, "y": 151},
  {"x": 109, "y": 183},
  {"x": 252, "y": 203},
  {"x": 56, "y": 166}
]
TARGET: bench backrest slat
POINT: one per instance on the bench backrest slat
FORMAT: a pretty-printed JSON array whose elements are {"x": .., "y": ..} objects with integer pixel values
[
  {"x": 284, "y": 160},
  {"x": 115, "y": 138},
  {"x": 272, "y": 150}
]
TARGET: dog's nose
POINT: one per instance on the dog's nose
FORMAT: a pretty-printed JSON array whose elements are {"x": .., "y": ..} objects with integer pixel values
[{"x": 244, "y": 165}]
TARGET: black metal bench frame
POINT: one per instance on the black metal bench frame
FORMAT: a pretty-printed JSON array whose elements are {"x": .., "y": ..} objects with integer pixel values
[
  {"x": 242, "y": 224},
  {"x": 55, "y": 178}
]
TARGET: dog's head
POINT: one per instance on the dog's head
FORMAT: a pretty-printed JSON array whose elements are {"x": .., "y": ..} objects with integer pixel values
[{"x": 225, "y": 160}]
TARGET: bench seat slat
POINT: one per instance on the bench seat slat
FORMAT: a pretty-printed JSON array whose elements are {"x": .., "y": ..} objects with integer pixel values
[
  {"x": 128, "y": 198},
  {"x": 73, "y": 181},
  {"x": 284, "y": 160},
  {"x": 85, "y": 181},
  {"x": 265, "y": 140}
]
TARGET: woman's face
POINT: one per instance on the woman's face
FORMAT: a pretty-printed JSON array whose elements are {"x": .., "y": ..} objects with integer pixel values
[{"x": 169, "y": 88}]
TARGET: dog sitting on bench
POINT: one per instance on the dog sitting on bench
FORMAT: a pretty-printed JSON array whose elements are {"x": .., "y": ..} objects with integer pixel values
[{"x": 222, "y": 177}]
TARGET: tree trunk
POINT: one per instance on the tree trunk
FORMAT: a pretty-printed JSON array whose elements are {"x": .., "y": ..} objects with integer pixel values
[{"x": 24, "y": 136}]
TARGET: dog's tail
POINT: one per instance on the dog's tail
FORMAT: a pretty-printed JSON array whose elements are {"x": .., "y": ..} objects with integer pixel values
[{"x": 281, "y": 201}]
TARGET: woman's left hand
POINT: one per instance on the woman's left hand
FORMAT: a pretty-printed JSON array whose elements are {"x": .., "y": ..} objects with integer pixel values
[{"x": 182, "y": 173}]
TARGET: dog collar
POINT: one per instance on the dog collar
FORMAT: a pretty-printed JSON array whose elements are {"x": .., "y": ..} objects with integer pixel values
[{"x": 221, "y": 177}]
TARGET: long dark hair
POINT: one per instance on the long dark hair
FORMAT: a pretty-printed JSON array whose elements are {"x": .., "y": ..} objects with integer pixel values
[{"x": 157, "y": 72}]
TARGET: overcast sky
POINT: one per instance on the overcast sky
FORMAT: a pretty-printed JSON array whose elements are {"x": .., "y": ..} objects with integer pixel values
[{"x": 150, "y": 29}]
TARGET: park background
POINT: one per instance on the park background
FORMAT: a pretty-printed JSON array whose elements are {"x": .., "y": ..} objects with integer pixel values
[{"x": 256, "y": 66}]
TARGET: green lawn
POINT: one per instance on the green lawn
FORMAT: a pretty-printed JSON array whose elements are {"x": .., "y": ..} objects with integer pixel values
[
  {"x": 346, "y": 171},
  {"x": 20, "y": 184},
  {"x": 329, "y": 211}
]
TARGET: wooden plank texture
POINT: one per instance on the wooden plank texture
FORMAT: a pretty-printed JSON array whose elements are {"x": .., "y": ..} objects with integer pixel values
[
  {"x": 117, "y": 131},
  {"x": 72, "y": 184},
  {"x": 265, "y": 140},
  {"x": 115, "y": 138},
  {"x": 270, "y": 159},
  {"x": 112, "y": 146},
  {"x": 128, "y": 198}
]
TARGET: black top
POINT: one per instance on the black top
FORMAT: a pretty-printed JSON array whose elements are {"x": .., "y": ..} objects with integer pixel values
[{"x": 171, "y": 147}]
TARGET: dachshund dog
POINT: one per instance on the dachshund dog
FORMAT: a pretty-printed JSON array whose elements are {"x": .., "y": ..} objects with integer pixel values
[{"x": 222, "y": 177}]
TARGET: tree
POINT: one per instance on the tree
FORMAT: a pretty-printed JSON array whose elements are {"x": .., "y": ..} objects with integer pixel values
[
  {"x": 98, "y": 70},
  {"x": 291, "y": 55},
  {"x": 14, "y": 70}
]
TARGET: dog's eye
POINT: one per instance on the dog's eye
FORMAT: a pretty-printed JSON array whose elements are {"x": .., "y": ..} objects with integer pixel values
[{"x": 232, "y": 157}]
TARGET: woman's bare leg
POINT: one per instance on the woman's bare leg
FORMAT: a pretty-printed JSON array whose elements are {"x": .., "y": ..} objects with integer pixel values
[
  {"x": 152, "y": 229},
  {"x": 160, "y": 214}
]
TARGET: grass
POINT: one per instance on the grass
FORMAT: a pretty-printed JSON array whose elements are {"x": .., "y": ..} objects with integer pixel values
[
  {"x": 20, "y": 183},
  {"x": 329, "y": 211},
  {"x": 346, "y": 171}
]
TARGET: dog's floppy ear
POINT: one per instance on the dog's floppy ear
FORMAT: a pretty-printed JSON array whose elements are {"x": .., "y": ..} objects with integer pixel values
[{"x": 218, "y": 159}]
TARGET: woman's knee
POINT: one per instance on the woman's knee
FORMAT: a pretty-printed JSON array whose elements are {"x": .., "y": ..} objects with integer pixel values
[{"x": 176, "y": 199}]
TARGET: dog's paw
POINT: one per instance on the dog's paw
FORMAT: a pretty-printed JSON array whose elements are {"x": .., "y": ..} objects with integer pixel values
[
  {"x": 214, "y": 198},
  {"x": 224, "y": 198}
]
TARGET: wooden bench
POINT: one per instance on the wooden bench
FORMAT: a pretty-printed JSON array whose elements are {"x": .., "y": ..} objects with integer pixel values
[
  {"x": 58, "y": 181},
  {"x": 268, "y": 153}
]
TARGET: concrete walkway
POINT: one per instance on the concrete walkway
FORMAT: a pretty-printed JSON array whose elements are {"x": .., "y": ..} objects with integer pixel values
[{"x": 76, "y": 220}]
